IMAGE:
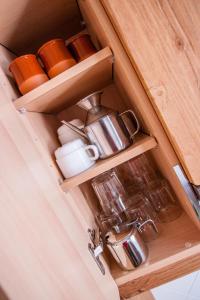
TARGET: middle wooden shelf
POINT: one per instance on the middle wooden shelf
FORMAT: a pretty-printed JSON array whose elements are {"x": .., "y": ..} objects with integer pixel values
[{"x": 141, "y": 144}]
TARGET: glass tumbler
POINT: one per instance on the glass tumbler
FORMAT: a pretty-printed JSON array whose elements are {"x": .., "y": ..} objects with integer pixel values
[
  {"x": 110, "y": 192},
  {"x": 108, "y": 223},
  {"x": 163, "y": 200},
  {"x": 143, "y": 215},
  {"x": 136, "y": 173}
]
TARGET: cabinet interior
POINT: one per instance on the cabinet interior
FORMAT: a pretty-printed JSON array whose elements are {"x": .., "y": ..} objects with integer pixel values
[{"x": 176, "y": 237}]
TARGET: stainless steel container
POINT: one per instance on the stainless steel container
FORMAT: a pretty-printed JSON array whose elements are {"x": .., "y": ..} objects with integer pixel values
[
  {"x": 106, "y": 128},
  {"x": 109, "y": 134},
  {"x": 128, "y": 249}
]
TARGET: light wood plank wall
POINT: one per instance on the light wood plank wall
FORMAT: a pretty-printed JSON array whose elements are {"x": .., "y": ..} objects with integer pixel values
[{"x": 162, "y": 41}]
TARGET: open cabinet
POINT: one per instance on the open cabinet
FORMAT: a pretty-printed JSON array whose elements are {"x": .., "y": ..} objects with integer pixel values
[{"x": 48, "y": 217}]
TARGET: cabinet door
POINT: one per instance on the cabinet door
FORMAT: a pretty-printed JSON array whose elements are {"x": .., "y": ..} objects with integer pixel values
[
  {"x": 161, "y": 38},
  {"x": 43, "y": 244}
]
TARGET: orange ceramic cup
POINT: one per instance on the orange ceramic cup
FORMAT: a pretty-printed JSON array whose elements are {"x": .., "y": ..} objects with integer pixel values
[
  {"x": 81, "y": 47},
  {"x": 27, "y": 72},
  {"x": 56, "y": 57}
]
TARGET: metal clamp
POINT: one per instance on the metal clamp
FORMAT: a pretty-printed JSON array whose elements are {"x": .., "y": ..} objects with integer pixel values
[
  {"x": 191, "y": 191},
  {"x": 96, "y": 248}
]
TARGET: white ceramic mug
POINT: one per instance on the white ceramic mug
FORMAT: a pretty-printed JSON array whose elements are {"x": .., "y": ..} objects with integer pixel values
[
  {"x": 75, "y": 157},
  {"x": 66, "y": 134}
]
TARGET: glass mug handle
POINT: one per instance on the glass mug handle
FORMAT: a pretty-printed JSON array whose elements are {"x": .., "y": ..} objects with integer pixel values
[
  {"x": 95, "y": 151},
  {"x": 149, "y": 221},
  {"x": 136, "y": 120}
]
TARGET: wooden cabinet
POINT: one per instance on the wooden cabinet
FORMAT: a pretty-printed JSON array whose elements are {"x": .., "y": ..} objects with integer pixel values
[
  {"x": 44, "y": 219},
  {"x": 43, "y": 241},
  {"x": 161, "y": 39}
]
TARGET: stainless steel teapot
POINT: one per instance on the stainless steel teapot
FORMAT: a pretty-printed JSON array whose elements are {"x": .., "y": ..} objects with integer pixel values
[{"x": 104, "y": 127}]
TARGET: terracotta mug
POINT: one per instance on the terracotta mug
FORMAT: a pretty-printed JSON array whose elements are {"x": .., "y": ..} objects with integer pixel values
[
  {"x": 27, "y": 72},
  {"x": 56, "y": 57},
  {"x": 81, "y": 47}
]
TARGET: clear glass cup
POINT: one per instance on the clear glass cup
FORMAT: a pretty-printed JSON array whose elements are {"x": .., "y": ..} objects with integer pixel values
[
  {"x": 163, "y": 200},
  {"x": 143, "y": 214},
  {"x": 136, "y": 173},
  {"x": 108, "y": 223},
  {"x": 110, "y": 192}
]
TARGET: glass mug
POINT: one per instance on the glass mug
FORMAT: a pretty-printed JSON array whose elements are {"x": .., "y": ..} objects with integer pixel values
[
  {"x": 136, "y": 173},
  {"x": 144, "y": 216},
  {"x": 107, "y": 223},
  {"x": 110, "y": 192},
  {"x": 163, "y": 200}
]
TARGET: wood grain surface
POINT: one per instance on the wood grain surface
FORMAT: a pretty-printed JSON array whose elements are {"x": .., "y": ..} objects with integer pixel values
[
  {"x": 43, "y": 231},
  {"x": 143, "y": 296},
  {"x": 141, "y": 144},
  {"x": 162, "y": 41},
  {"x": 71, "y": 85},
  {"x": 134, "y": 95},
  {"x": 165, "y": 274},
  {"x": 26, "y": 24}
]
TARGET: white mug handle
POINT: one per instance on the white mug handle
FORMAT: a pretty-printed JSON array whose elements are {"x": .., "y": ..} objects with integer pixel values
[{"x": 94, "y": 149}]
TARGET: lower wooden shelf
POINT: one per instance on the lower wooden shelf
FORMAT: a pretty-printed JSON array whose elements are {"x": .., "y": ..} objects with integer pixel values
[
  {"x": 142, "y": 144},
  {"x": 174, "y": 253}
]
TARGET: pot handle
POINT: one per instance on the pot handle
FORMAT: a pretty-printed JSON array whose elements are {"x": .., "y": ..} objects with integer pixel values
[
  {"x": 135, "y": 119},
  {"x": 94, "y": 149},
  {"x": 146, "y": 222}
]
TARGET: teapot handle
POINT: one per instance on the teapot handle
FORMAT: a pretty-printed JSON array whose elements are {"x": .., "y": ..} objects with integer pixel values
[
  {"x": 150, "y": 221},
  {"x": 135, "y": 119}
]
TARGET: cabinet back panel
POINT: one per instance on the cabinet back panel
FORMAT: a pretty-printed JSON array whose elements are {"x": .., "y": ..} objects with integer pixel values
[{"x": 26, "y": 24}]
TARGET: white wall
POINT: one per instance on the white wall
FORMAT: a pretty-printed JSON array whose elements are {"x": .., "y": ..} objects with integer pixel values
[{"x": 185, "y": 288}]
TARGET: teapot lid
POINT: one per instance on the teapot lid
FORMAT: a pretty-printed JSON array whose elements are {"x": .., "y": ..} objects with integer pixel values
[
  {"x": 92, "y": 104},
  {"x": 90, "y": 101}
]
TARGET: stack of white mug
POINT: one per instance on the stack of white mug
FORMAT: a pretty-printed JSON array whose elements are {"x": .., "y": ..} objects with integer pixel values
[{"x": 75, "y": 155}]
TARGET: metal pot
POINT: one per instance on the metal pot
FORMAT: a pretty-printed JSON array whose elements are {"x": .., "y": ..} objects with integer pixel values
[
  {"x": 128, "y": 248},
  {"x": 104, "y": 127}
]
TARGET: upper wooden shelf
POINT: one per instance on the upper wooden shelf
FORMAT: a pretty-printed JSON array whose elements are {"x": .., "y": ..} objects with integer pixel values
[
  {"x": 142, "y": 144},
  {"x": 70, "y": 86}
]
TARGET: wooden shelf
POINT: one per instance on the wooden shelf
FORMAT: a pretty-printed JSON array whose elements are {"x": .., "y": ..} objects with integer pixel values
[
  {"x": 142, "y": 144},
  {"x": 67, "y": 88},
  {"x": 168, "y": 255}
]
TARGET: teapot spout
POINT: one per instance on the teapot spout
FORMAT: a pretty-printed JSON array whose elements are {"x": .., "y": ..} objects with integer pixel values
[
  {"x": 74, "y": 128},
  {"x": 92, "y": 101}
]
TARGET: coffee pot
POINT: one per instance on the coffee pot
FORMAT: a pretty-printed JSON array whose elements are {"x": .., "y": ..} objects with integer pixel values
[{"x": 106, "y": 128}]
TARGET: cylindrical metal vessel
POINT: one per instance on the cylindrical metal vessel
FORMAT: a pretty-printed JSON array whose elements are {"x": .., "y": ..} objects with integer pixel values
[
  {"x": 105, "y": 127},
  {"x": 109, "y": 134},
  {"x": 128, "y": 249}
]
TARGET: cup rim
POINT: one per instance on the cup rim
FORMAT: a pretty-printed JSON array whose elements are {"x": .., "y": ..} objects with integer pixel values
[
  {"x": 77, "y": 37},
  {"x": 19, "y": 58},
  {"x": 47, "y": 43},
  {"x": 59, "y": 152}
]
